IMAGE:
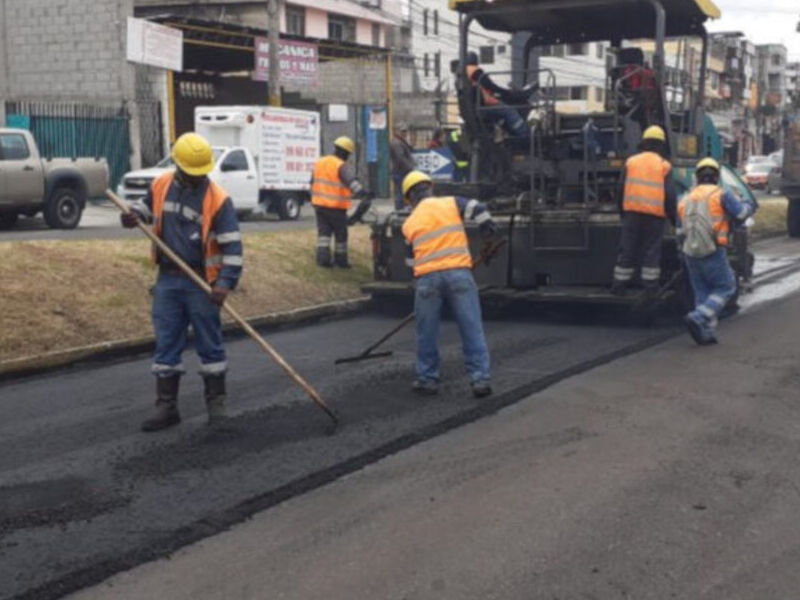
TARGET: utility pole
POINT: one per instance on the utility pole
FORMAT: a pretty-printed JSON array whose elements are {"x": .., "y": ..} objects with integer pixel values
[{"x": 274, "y": 24}]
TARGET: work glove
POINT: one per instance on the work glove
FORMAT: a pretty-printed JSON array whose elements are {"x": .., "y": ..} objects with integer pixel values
[
  {"x": 489, "y": 232},
  {"x": 218, "y": 295},
  {"x": 362, "y": 209},
  {"x": 129, "y": 220}
]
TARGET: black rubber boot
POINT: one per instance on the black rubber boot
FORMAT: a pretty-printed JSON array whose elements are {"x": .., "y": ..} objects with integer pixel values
[
  {"x": 619, "y": 288},
  {"x": 166, "y": 414},
  {"x": 324, "y": 258},
  {"x": 215, "y": 398},
  {"x": 481, "y": 389},
  {"x": 342, "y": 261}
]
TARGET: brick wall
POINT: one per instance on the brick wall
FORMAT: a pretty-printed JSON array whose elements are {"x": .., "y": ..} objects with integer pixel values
[{"x": 67, "y": 50}]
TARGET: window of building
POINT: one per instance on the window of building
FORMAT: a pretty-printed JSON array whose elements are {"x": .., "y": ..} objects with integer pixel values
[
  {"x": 435, "y": 22},
  {"x": 501, "y": 49},
  {"x": 341, "y": 28},
  {"x": 376, "y": 34},
  {"x": 295, "y": 20},
  {"x": 437, "y": 64},
  {"x": 546, "y": 51},
  {"x": 777, "y": 60},
  {"x": 599, "y": 94},
  {"x": 425, "y": 21},
  {"x": 578, "y": 93},
  {"x": 562, "y": 93},
  {"x": 13, "y": 147},
  {"x": 425, "y": 66},
  {"x": 774, "y": 82},
  {"x": 486, "y": 55},
  {"x": 578, "y": 49},
  {"x": 600, "y": 50},
  {"x": 558, "y": 50}
]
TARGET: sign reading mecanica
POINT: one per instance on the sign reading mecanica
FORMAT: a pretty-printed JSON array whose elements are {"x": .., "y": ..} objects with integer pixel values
[{"x": 299, "y": 61}]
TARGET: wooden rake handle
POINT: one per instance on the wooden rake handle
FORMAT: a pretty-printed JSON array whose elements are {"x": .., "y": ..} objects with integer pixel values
[{"x": 265, "y": 346}]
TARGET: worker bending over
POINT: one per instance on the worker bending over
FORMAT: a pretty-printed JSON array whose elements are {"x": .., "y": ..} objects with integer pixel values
[
  {"x": 333, "y": 186},
  {"x": 194, "y": 217},
  {"x": 648, "y": 199},
  {"x": 704, "y": 217},
  {"x": 439, "y": 254}
]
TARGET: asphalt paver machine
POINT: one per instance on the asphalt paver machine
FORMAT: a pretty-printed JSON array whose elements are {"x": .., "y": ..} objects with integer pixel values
[{"x": 554, "y": 191}]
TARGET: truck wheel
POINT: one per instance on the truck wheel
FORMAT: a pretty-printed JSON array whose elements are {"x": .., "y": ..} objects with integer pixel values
[
  {"x": 64, "y": 209},
  {"x": 8, "y": 219},
  {"x": 288, "y": 208},
  {"x": 793, "y": 217}
]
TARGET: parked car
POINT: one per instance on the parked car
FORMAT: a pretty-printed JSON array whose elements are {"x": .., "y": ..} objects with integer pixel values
[
  {"x": 777, "y": 158},
  {"x": 56, "y": 187},
  {"x": 762, "y": 174}
]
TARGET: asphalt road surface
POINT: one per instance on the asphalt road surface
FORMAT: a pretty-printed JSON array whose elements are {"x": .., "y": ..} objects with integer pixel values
[
  {"x": 672, "y": 473},
  {"x": 84, "y": 495},
  {"x": 100, "y": 221}
]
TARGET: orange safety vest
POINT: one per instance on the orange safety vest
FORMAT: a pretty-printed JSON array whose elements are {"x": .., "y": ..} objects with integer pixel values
[
  {"x": 212, "y": 203},
  {"x": 328, "y": 190},
  {"x": 644, "y": 184},
  {"x": 436, "y": 232},
  {"x": 488, "y": 98},
  {"x": 719, "y": 220}
]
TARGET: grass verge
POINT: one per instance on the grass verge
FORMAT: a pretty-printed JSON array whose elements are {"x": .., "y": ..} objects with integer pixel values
[
  {"x": 64, "y": 294},
  {"x": 770, "y": 218}
]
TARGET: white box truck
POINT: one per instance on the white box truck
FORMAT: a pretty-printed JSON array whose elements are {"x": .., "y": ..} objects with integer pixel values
[{"x": 264, "y": 157}]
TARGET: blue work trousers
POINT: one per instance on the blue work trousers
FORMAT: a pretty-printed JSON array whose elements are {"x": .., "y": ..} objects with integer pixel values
[
  {"x": 457, "y": 288},
  {"x": 177, "y": 303},
  {"x": 714, "y": 284},
  {"x": 508, "y": 117}
]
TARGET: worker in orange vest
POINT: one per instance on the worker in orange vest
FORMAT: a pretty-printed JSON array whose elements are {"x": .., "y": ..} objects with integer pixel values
[
  {"x": 438, "y": 251},
  {"x": 333, "y": 186},
  {"x": 197, "y": 220},
  {"x": 492, "y": 107},
  {"x": 704, "y": 228},
  {"x": 648, "y": 199}
]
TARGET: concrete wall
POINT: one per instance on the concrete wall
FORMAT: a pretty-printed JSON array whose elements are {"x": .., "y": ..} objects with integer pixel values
[{"x": 67, "y": 50}]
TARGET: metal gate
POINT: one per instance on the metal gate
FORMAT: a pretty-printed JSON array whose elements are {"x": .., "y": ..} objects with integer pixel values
[{"x": 72, "y": 130}]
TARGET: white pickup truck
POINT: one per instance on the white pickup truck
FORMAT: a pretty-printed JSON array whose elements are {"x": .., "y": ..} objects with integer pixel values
[
  {"x": 56, "y": 187},
  {"x": 264, "y": 157}
]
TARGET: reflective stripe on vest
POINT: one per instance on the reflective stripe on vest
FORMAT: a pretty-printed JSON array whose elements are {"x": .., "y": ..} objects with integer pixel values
[
  {"x": 436, "y": 232},
  {"x": 327, "y": 190},
  {"x": 719, "y": 220},
  {"x": 212, "y": 203},
  {"x": 488, "y": 98},
  {"x": 644, "y": 184}
]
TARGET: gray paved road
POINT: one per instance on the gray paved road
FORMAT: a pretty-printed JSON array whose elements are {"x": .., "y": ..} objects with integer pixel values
[
  {"x": 669, "y": 474},
  {"x": 83, "y": 493},
  {"x": 101, "y": 221}
]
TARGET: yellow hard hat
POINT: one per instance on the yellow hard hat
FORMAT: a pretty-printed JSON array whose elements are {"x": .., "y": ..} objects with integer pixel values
[
  {"x": 708, "y": 163},
  {"x": 412, "y": 179},
  {"x": 192, "y": 153},
  {"x": 654, "y": 132},
  {"x": 345, "y": 143}
]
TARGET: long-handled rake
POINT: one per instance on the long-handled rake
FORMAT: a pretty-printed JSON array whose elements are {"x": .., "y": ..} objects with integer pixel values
[
  {"x": 369, "y": 353},
  {"x": 265, "y": 346}
]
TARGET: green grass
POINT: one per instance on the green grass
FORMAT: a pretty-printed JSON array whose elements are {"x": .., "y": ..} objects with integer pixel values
[{"x": 64, "y": 294}]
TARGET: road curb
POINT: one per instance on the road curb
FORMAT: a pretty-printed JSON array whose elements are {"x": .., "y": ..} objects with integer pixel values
[{"x": 124, "y": 349}]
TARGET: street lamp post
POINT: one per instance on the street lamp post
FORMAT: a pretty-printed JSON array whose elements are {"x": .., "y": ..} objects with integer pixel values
[{"x": 274, "y": 24}]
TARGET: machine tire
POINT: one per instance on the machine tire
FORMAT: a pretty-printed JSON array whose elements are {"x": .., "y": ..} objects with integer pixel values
[
  {"x": 8, "y": 220},
  {"x": 64, "y": 209},
  {"x": 289, "y": 208},
  {"x": 793, "y": 218}
]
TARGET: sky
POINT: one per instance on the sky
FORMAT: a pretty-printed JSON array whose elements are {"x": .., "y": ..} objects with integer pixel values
[{"x": 762, "y": 21}]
